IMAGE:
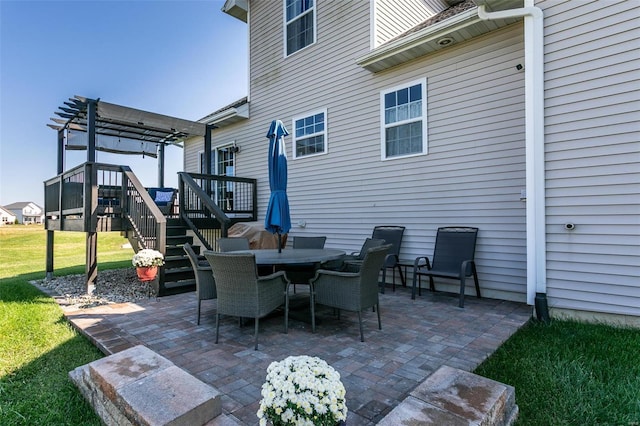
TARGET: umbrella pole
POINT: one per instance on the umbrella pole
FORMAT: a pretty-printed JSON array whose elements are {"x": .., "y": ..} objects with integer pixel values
[{"x": 279, "y": 242}]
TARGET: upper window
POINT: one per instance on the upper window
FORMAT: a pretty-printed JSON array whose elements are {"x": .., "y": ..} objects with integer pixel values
[
  {"x": 310, "y": 134},
  {"x": 300, "y": 24},
  {"x": 404, "y": 120}
]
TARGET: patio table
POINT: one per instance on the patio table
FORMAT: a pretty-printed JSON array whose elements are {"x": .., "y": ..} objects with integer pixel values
[
  {"x": 298, "y": 305},
  {"x": 293, "y": 256}
]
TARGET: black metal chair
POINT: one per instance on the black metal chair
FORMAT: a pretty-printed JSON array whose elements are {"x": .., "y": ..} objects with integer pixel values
[
  {"x": 350, "y": 291},
  {"x": 391, "y": 234},
  {"x": 205, "y": 284},
  {"x": 453, "y": 257}
]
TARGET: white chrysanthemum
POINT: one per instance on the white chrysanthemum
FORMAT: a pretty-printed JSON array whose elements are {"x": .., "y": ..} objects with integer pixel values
[{"x": 302, "y": 390}]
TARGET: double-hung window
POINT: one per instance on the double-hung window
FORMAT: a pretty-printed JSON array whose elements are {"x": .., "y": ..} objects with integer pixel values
[
  {"x": 404, "y": 120},
  {"x": 300, "y": 24},
  {"x": 310, "y": 134}
]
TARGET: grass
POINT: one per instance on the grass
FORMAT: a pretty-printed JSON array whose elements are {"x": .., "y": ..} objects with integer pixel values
[
  {"x": 571, "y": 373},
  {"x": 38, "y": 347},
  {"x": 565, "y": 373}
]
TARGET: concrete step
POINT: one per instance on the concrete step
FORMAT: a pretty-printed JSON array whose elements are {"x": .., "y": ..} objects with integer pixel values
[
  {"x": 455, "y": 397},
  {"x": 139, "y": 387}
]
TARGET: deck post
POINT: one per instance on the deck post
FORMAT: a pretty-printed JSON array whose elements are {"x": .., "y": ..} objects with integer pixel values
[
  {"x": 91, "y": 224},
  {"x": 91, "y": 130},
  {"x": 92, "y": 261},
  {"x": 207, "y": 149},
  {"x": 49, "y": 268},
  {"x": 60, "y": 151},
  {"x": 161, "y": 165}
]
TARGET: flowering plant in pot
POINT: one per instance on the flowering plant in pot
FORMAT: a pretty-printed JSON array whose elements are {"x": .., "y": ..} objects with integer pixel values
[
  {"x": 146, "y": 262},
  {"x": 302, "y": 390}
]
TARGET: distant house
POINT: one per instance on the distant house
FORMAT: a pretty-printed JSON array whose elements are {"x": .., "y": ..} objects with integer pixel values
[
  {"x": 26, "y": 212},
  {"x": 6, "y": 217},
  {"x": 522, "y": 121}
]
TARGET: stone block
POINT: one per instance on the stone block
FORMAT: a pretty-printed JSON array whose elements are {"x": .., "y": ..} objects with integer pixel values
[
  {"x": 456, "y": 397},
  {"x": 139, "y": 387}
]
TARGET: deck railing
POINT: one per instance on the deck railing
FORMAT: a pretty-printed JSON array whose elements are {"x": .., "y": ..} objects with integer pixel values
[
  {"x": 83, "y": 197},
  {"x": 226, "y": 199},
  {"x": 148, "y": 223},
  {"x": 75, "y": 199}
]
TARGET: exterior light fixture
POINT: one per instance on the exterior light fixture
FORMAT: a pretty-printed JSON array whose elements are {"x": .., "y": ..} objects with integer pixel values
[{"x": 445, "y": 41}]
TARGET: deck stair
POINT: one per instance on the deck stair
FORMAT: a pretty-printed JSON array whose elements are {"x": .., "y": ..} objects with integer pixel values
[{"x": 177, "y": 275}]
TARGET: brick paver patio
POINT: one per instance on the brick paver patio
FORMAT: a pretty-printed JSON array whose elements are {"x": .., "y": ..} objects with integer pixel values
[{"x": 417, "y": 337}]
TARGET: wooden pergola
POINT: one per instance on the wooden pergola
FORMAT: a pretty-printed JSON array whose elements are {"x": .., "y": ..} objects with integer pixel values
[{"x": 94, "y": 125}]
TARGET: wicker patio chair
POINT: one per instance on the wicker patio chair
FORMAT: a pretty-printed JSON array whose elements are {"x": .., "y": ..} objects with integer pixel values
[
  {"x": 233, "y": 244},
  {"x": 453, "y": 257},
  {"x": 350, "y": 291},
  {"x": 356, "y": 257},
  {"x": 302, "y": 273},
  {"x": 242, "y": 293},
  {"x": 205, "y": 284}
]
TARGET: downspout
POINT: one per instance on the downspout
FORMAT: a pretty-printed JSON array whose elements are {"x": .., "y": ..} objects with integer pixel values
[{"x": 534, "y": 148}]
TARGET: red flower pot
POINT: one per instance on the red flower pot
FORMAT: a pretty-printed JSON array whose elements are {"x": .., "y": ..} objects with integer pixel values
[{"x": 147, "y": 273}]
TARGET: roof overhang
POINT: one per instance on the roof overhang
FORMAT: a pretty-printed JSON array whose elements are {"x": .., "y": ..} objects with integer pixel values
[
  {"x": 122, "y": 129},
  {"x": 232, "y": 114},
  {"x": 458, "y": 28},
  {"x": 236, "y": 8}
]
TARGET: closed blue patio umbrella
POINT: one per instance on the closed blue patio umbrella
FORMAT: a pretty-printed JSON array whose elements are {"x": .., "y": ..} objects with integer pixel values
[{"x": 278, "y": 219}]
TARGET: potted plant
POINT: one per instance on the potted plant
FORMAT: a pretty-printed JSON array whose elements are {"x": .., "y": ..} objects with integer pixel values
[
  {"x": 302, "y": 390},
  {"x": 146, "y": 262}
]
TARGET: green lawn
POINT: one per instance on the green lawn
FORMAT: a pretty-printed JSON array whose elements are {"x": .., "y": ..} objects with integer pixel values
[
  {"x": 38, "y": 347},
  {"x": 565, "y": 373}
]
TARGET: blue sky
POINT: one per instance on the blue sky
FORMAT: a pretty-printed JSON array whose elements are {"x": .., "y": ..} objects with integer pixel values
[{"x": 180, "y": 58}]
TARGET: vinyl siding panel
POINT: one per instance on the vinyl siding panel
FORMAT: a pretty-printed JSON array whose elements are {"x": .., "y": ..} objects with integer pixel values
[
  {"x": 592, "y": 105},
  {"x": 394, "y": 17}
]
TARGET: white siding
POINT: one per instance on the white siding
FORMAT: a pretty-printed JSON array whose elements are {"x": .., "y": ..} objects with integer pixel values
[
  {"x": 475, "y": 168},
  {"x": 592, "y": 117},
  {"x": 394, "y": 17}
]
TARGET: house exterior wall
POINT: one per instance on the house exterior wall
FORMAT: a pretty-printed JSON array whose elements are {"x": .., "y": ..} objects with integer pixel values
[
  {"x": 26, "y": 212},
  {"x": 6, "y": 217},
  {"x": 592, "y": 133},
  {"x": 392, "y": 18},
  {"x": 474, "y": 171}
]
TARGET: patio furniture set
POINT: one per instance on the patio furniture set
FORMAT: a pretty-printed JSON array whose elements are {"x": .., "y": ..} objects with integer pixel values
[{"x": 254, "y": 283}]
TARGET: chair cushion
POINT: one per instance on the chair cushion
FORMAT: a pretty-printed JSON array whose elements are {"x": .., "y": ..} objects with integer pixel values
[{"x": 163, "y": 197}]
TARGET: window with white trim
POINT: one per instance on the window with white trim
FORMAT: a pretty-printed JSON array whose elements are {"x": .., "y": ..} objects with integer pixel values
[
  {"x": 300, "y": 24},
  {"x": 223, "y": 164},
  {"x": 404, "y": 120},
  {"x": 310, "y": 134}
]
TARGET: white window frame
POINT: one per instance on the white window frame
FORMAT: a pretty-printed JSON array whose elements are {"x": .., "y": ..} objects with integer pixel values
[
  {"x": 312, "y": 10},
  {"x": 214, "y": 161},
  {"x": 423, "y": 118},
  {"x": 323, "y": 133}
]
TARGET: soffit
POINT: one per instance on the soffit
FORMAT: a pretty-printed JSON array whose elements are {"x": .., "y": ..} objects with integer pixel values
[{"x": 456, "y": 24}]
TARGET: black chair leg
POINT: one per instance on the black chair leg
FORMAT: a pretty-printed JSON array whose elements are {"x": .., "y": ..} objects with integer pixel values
[
  {"x": 475, "y": 278},
  {"x": 462, "y": 287},
  {"x": 217, "y": 326},
  {"x": 198, "y": 311},
  {"x": 360, "y": 321},
  {"x": 256, "y": 333},
  {"x": 402, "y": 277}
]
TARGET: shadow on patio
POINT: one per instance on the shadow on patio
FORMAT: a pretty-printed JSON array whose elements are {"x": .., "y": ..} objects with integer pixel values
[{"x": 417, "y": 337}]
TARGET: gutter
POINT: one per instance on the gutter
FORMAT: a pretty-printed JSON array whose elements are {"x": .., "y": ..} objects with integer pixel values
[{"x": 534, "y": 147}]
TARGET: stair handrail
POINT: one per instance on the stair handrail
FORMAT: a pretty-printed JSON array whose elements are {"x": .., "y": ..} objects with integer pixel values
[
  {"x": 146, "y": 220},
  {"x": 185, "y": 180}
]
